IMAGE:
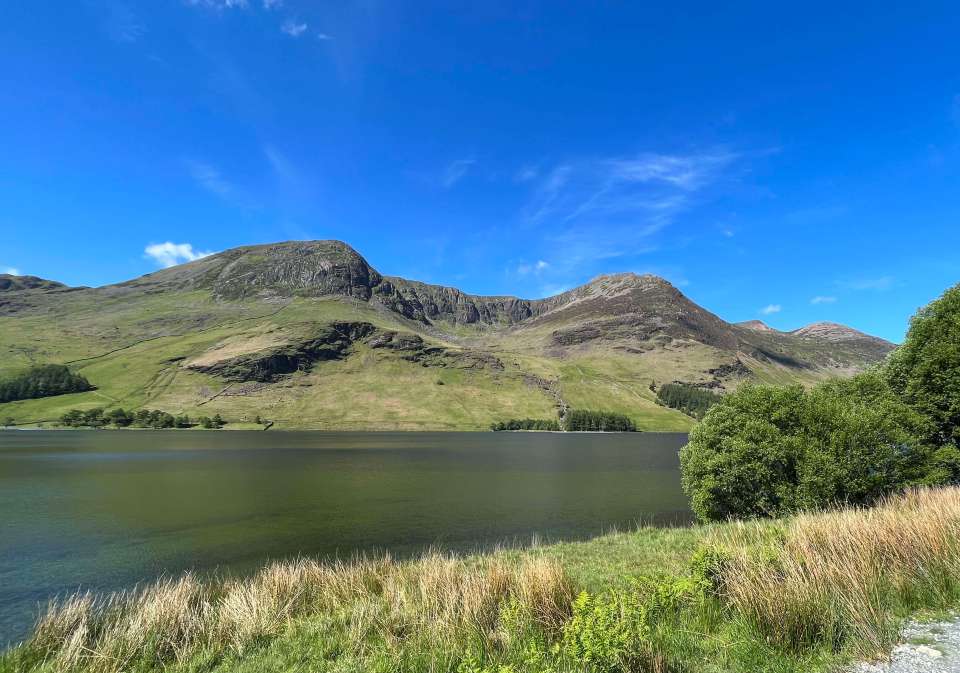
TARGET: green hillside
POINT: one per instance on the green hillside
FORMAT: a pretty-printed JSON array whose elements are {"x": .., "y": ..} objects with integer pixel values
[{"x": 308, "y": 335}]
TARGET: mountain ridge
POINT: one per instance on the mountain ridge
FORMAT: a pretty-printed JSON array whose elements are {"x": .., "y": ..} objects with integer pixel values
[
  {"x": 309, "y": 334},
  {"x": 415, "y": 299}
]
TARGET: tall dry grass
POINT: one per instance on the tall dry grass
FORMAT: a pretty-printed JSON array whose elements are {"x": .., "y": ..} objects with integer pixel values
[
  {"x": 840, "y": 577},
  {"x": 441, "y": 598}
]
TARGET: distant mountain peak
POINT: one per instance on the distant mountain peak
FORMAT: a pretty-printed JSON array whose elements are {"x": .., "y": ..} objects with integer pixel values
[
  {"x": 757, "y": 325},
  {"x": 831, "y": 331}
]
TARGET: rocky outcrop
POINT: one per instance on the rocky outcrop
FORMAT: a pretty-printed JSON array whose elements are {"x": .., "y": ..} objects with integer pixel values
[
  {"x": 336, "y": 341},
  {"x": 329, "y": 342}
]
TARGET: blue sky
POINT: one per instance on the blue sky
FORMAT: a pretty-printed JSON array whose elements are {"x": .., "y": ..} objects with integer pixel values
[{"x": 789, "y": 164}]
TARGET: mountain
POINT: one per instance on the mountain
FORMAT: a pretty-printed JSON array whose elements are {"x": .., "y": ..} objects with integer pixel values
[
  {"x": 308, "y": 334},
  {"x": 11, "y": 283}
]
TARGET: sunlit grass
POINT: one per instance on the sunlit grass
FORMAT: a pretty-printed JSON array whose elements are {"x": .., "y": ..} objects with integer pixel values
[{"x": 805, "y": 594}]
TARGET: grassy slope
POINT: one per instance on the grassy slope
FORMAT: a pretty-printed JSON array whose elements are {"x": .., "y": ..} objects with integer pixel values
[
  {"x": 131, "y": 347},
  {"x": 129, "y": 351},
  {"x": 784, "y": 597}
]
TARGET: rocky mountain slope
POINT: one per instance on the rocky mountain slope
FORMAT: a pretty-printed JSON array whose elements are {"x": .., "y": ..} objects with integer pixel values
[{"x": 308, "y": 334}]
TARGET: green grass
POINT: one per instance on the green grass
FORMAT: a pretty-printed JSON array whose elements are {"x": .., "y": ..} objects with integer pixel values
[
  {"x": 133, "y": 351},
  {"x": 769, "y": 596}
]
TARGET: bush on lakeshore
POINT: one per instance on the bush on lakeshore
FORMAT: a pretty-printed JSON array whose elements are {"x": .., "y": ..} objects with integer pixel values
[
  {"x": 120, "y": 418},
  {"x": 767, "y": 451},
  {"x": 925, "y": 369},
  {"x": 691, "y": 400},
  {"x": 43, "y": 381},
  {"x": 584, "y": 420},
  {"x": 526, "y": 424},
  {"x": 214, "y": 423}
]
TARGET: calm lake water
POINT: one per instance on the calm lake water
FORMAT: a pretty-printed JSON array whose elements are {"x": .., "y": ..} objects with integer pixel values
[{"x": 106, "y": 510}]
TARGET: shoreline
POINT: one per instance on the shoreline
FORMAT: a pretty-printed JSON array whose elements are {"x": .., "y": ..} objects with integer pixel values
[{"x": 658, "y": 588}]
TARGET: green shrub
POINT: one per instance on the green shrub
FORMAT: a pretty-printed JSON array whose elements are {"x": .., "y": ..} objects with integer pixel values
[
  {"x": 609, "y": 632},
  {"x": 143, "y": 418},
  {"x": 584, "y": 420},
  {"x": 43, "y": 381},
  {"x": 770, "y": 451},
  {"x": 691, "y": 400},
  {"x": 925, "y": 370},
  {"x": 526, "y": 424}
]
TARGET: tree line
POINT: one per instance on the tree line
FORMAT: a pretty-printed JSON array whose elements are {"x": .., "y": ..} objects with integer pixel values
[
  {"x": 575, "y": 420},
  {"x": 585, "y": 420},
  {"x": 43, "y": 381},
  {"x": 526, "y": 424},
  {"x": 142, "y": 418},
  {"x": 767, "y": 451},
  {"x": 691, "y": 400}
]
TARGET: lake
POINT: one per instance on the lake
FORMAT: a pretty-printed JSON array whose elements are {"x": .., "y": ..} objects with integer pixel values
[{"x": 105, "y": 510}]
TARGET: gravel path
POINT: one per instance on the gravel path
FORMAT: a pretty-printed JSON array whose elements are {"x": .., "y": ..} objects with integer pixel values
[{"x": 930, "y": 647}]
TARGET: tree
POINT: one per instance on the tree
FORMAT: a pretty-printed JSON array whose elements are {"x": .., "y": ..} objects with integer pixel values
[
  {"x": 43, "y": 381},
  {"x": 218, "y": 421},
  {"x": 925, "y": 370},
  {"x": 769, "y": 451}
]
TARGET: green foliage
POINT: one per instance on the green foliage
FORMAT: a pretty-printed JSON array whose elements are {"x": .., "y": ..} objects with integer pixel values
[
  {"x": 770, "y": 451},
  {"x": 925, "y": 370},
  {"x": 582, "y": 420},
  {"x": 608, "y": 632},
  {"x": 526, "y": 424},
  {"x": 691, "y": 400},
  {"x": 9, "y": 422},
  {"x": 214, "y": 423},
  {"x": 43, "y": 381},
  {"x": 143, "y": 418}
]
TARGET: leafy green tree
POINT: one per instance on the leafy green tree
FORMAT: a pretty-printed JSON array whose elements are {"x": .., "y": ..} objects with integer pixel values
[
  {"x": 118, "y": 417},
  {"x": 217, "y": 421},
  {"x": 691, "y": 400},
  {"x": 925, "y": 370},
  {"x": 584, "y": 420},
  {"x": 43, "y": 381},
  {"x": 769, "y": 451}
]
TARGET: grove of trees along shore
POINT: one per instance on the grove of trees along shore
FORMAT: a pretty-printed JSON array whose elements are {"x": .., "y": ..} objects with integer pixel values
[{"x": 767, "y": 451}]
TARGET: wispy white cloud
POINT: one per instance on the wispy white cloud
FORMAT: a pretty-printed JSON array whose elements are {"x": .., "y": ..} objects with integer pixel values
[
  {"x": 13, "y": 271},
  {"x": 121, "y": 24},
  {"x": 218, "y": 4},
  {"x": 820, "y": 299},
  {"x": 456, "y": 171},
  {"x": 879, "y": 283},
  {"x": 324, "y": 36},
  {"x": 170, "y": 254},
  {"x": 770, "y": 309},
  {"x": 644, "y": 184},
  {"x": 210, "y": 178},
  {"x": 272, "y": 4},
  {"x": 537, "y": 267},
  {"x": 526, "y": 174},
  {"x": 294, "y": 28}
]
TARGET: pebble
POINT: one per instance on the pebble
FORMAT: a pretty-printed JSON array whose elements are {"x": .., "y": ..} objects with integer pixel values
[{"x": 928, "y": 647}]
